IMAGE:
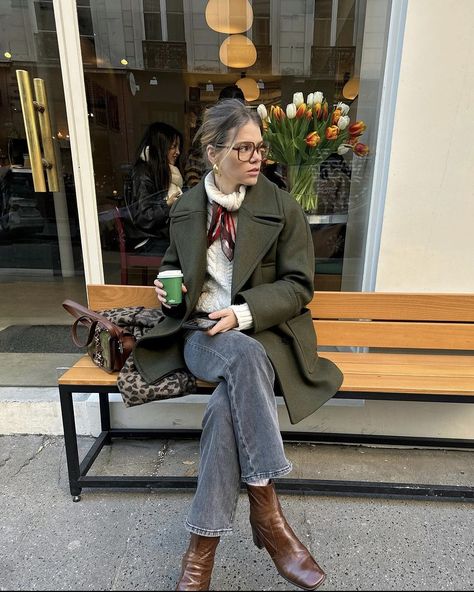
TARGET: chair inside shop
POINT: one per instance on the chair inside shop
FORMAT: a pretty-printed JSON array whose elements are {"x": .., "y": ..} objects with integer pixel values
[{"x": 130, "y": 259}]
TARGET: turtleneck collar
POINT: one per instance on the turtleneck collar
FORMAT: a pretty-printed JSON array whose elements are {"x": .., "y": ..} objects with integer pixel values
[{"x": 230, "y": 202}]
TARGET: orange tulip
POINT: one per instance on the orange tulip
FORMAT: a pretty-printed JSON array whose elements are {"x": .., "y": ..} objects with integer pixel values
[
  {"x": 361, "y": 149},
  {"x": 278, "y": 113},
  {"x": 332, "y": 132},
  {"x": 335, "y": 116},
  {"x": 318, "y": 110},
  {"x": 312, "y": 139},
  {"x": 325, "y": 110},
  {"x": 301, "y": 111},
  {"x": 357, "y": 128},
  {"x": 309, "y": 114}
]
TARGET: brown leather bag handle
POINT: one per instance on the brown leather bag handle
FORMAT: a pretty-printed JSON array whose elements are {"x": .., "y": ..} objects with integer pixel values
[{"x": 90, "y": 319}]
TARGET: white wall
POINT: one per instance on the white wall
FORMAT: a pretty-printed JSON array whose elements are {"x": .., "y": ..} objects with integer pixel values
[{"x": 427, "y": 236}]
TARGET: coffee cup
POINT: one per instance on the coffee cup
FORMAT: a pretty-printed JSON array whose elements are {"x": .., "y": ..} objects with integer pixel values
[{"x": 172, "y": 280}]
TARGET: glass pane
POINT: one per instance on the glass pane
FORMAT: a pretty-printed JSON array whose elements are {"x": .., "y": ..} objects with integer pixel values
[
  {"x": 173, "y": 82},
  {"x": 151, "y": 5},
  {"x": 174, "y": 6},
  {"x": 323, "y": 8},
  {"x": 175, "y": 27},
  {"x": 40, "y": 247},
  {"x": 261, "y": 31},
  {"x": 45, "y": 16},
  {"x": 85, "y": 21},
  {"x": 153, "y": 27}
]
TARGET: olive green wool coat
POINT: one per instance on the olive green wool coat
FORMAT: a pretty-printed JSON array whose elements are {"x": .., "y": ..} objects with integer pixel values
[{"x": 273, "y": 273}]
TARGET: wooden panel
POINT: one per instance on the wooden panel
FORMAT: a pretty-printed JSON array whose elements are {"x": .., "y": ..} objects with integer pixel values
[
  {"x": 85, "y": 372},
  {"x": 393, "y": 306},
  {"x": 395, "y": 335},
  {"x": 405, "y": 373},
  {"x": 102, "y": 297}
]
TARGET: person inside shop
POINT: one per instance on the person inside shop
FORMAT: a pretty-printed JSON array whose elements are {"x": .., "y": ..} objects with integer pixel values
[
  {"x": 154, "y": 184},
  {"x": 196, "y": 165},
  {"x": 245, "y": 250}
]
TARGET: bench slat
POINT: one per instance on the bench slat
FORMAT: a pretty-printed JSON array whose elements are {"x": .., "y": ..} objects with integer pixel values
[
  {"x": 418, "y": 375},
  {"x": 395, "y": 334},
  {"x": 396, "y": 307},
  {"x": 102, "y": 297}
]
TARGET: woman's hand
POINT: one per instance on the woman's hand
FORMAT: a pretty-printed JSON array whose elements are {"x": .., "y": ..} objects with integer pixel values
[
  {"x": 162, "y": 294},
  {"x": 227, "y": 321},
  {"x": 173, "y": 197}
]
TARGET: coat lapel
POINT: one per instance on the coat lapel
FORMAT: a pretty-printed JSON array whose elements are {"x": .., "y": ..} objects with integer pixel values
[
  {"x": 188, "y": 225},
  {"x": 258, "y": 227},
  {"x": 259, "y": 224}
]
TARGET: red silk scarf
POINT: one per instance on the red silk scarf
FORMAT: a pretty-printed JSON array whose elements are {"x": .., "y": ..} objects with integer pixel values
[{"x": 222, "y": 225}]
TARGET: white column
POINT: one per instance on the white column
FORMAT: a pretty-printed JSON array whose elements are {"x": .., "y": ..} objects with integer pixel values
[{"x": 76, "y": 108}]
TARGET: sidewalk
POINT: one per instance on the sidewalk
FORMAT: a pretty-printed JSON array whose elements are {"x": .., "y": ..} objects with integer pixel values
[{"x": 134, "y": 540}]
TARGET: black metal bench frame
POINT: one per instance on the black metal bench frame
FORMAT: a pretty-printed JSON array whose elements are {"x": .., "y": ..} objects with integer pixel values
[{"x": 79, "y": 478}]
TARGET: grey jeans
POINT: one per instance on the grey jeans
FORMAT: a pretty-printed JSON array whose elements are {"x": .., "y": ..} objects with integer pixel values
[{"x": 241, "y": 437}]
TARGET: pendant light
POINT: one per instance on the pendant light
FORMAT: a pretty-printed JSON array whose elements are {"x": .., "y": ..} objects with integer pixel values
[
  {"x": 351, "y": 88},
  {"x": 237, "y": 51},
  {"x": 229, "y": 16},
  {"x": 249, "y": 87}
]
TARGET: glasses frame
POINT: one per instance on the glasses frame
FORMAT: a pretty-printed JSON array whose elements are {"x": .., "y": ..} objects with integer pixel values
[{"x": 255, "y": 147}]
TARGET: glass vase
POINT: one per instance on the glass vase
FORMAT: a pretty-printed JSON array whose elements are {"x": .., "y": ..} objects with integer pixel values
[{"x": 302, "y": 182}]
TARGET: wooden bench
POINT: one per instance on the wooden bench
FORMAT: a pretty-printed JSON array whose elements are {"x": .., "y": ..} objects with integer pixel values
[{"x": 398, "y": 326}]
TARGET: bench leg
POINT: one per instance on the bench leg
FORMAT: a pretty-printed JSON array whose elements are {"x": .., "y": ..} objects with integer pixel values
[
  {"x": 105, "y": 416},
  {"x": 70, "y": 441}
]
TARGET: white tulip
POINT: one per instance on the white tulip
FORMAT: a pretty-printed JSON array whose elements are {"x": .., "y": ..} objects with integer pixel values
[
  {"x": 262, "y": 111},
  {"x": 298, "y": 99},
  {"x": 343, "y": 107},
  {"x": 310, "y": 100},
  {"x": 343, "y": 148},
  {"x": 318, "y": 97},
  {"x": 291, "y": 110},
  {"x": 343, "y": 122}
]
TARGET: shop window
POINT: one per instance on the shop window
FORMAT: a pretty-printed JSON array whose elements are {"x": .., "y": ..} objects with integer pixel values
[{"x": 173, "y": 61}]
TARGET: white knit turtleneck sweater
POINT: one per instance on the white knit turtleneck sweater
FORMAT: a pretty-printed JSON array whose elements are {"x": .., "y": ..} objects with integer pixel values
[{"x": 216, "y": 291}]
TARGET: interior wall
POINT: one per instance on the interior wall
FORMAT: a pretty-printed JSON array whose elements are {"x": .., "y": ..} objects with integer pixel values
[{"x": 426, "y": 242}]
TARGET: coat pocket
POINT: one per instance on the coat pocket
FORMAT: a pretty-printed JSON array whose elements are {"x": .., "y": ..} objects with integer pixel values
[{"x": 303, "y": 336}]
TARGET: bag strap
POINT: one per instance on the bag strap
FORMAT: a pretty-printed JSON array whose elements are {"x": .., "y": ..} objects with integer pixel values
[{"x": 90, "y": 318}]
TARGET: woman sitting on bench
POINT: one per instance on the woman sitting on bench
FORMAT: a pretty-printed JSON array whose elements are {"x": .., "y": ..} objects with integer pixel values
[{"x": 246, "y": 253}]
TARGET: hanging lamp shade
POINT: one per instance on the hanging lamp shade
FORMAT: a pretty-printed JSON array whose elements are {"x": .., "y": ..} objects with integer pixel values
[
  {"x": 238, "y": 51},
  {"x": 351, "y": 88},
  {"x": 229, "y": 16},
  {"x": 249, "y": 87}
]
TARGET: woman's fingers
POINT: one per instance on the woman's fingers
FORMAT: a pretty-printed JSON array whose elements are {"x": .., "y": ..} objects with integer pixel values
[
  {"x": 161, "y": 294},
  {"x": 227, "y": 321}
]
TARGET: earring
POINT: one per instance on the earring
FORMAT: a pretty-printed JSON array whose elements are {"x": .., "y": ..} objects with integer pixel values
[{"x": 215, "y": 168}]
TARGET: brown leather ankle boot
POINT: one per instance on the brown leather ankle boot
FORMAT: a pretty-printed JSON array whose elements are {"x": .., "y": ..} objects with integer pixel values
[
  {"x": 197, "y": 563},
  {"x": 271, "y": 530}
]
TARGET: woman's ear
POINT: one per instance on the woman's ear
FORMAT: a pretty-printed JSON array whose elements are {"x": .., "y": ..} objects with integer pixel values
[{"x": 211, "y": 154}]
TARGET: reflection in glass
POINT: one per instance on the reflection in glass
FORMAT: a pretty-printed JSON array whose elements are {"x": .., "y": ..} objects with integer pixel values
[{"x": 171, "y": 57}]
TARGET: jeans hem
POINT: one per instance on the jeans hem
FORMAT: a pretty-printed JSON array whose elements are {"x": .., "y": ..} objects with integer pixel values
[
  {"x": 267, "y": 474},
  {"x": 206, "y": 531}
]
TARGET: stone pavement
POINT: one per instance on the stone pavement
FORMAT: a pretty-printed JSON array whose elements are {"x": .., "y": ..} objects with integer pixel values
[{"x": 134, "y": 539}]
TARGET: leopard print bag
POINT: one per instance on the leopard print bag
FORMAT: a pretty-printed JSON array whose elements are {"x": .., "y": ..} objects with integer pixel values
[{"x": 138, "y": 320}]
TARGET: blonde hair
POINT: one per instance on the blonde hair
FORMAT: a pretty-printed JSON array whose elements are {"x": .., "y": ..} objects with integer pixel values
[{"x": 220, "y": 120}]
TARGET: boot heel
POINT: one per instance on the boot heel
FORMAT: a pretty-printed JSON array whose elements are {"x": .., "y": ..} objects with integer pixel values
[{"x": 256, "y": 540}]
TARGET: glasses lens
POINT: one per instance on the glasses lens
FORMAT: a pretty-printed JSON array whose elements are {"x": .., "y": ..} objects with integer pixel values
[
  {"x": 247, "y": 149},
  {"x": 264, "y": 149}
]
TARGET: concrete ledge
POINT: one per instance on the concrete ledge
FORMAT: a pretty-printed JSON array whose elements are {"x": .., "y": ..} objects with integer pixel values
[{"x": 36, "y": 410}]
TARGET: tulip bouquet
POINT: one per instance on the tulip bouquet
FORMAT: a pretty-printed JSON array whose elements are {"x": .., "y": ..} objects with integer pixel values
[{"x": 305, "y": 135}]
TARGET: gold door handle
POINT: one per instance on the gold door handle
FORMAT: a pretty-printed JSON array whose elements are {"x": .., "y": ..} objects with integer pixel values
[
  {"x": 31, "y": 128},
  {"x": 46, "y": 134},
  {"x": 29, "y": 109}
]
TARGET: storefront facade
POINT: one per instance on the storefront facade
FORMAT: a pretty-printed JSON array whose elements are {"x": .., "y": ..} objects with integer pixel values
[{"x": 398, "y": 219}]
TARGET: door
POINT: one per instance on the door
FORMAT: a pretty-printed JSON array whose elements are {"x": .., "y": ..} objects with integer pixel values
[{"x": 40, "y": 245}]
